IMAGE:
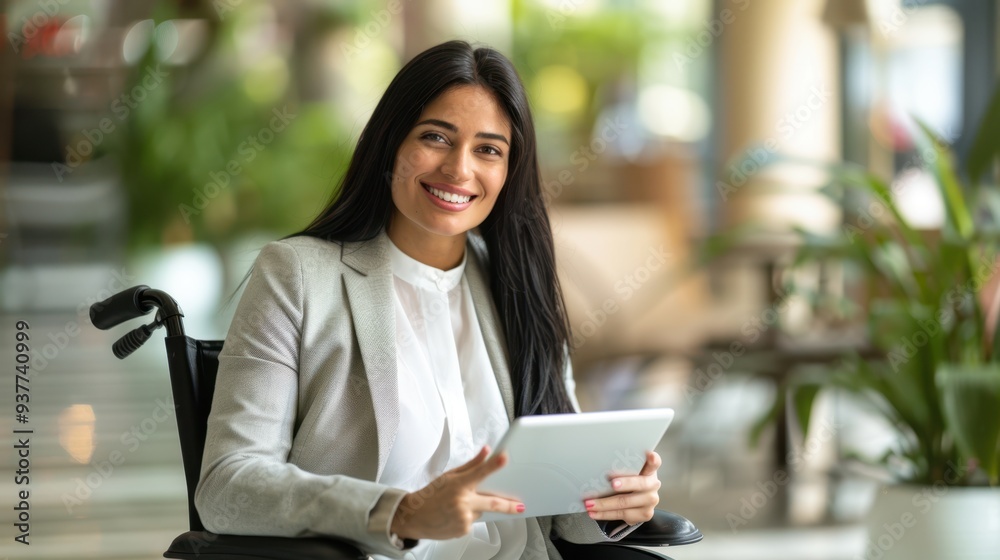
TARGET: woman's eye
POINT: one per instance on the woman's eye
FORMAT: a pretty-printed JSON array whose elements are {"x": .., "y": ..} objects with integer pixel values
[
  {"x": 491, "y": 150},
  {"x": 434, "y": 136}
]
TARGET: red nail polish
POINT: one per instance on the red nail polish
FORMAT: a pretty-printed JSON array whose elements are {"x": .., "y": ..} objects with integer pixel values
[
  {"x": 589, "y": 504},
  {"x": 520, "y": 508}
]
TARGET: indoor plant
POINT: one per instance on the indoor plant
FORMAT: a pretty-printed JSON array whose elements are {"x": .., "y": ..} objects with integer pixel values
[{"x": 934, "y": 370}]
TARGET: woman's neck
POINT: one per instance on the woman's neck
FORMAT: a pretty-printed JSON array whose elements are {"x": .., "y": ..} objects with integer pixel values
[{"x": 441, "y": 252}]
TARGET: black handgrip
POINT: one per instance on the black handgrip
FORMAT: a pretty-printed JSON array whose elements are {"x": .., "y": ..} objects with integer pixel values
[
  {"x": 121, "y": 307},
  {"x": 131, "y": 341}
]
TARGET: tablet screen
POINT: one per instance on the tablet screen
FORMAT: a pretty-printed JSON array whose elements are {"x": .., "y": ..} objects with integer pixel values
[{"x": 557, "y": 461}]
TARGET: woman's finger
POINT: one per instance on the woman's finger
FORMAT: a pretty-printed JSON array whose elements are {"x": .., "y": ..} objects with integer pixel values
[
  {"x": 485, "y": 502},
  {"x": 653, "y": 463},
  {"x": 477, "y": 473},
  {"x": 635, "y": 483},
  {"x": 474, "y": 462},
  {"x": 621, "y": 502}
]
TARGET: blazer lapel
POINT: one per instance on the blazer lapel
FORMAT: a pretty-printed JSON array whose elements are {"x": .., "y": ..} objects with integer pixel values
[
  {"x": 370, "y": 297},
  {"x": 496, "y": 345}
]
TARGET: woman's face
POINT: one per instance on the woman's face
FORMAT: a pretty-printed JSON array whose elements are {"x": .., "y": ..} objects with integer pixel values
[{"x": 452, "y": 165}]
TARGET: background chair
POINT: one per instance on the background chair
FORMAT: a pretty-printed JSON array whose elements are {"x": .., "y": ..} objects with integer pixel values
[{"x": 193, "y": 366}]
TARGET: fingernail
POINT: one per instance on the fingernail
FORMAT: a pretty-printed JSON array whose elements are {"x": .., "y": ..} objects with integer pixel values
[
  {"x": 589, "y": 504},
  {"x": 592, "y": 514},
  {"x": 520, "y": 508},
  {"x": 617, "y": 484}
]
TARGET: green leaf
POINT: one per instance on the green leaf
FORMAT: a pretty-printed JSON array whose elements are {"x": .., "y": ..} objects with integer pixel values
[
  {"x": 971, "y": 397},
  {"x": 951, "y": 190},
  {"x": 986, "y": 146},
  {"x": 803, "y": 397}
]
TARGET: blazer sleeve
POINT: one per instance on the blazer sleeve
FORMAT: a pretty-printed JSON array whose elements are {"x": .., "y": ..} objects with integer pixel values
[
  {"x": 579, "y": 527},
  {"x": 247, "y": 486}
]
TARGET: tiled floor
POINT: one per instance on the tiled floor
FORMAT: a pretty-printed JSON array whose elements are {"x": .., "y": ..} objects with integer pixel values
[{"x": 85, "y": 404}]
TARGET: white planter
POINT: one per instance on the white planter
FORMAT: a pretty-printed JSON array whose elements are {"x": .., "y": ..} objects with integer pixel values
[{"x": 933, "y": 522}]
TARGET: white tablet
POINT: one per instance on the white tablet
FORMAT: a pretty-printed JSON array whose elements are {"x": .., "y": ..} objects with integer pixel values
[{"x": 556, "y": 461}]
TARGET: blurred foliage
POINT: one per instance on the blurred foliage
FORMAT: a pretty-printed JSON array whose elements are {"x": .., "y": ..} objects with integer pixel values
[
  {"x": 192, "y": 132},
  {"x": 604, "y": 47},
  {"x": 204, "y": 157},
  {"x": 935, "y": 371}
]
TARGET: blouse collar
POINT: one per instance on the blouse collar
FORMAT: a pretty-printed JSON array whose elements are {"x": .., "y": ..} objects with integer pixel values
[{"x": 422, "y": 275}]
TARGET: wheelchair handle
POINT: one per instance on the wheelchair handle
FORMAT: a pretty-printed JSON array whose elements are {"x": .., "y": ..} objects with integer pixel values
[
  {"x": 135, "y": 302},
  {"x": 123, "y": 306},
  {"x": 132, "y": 340}
]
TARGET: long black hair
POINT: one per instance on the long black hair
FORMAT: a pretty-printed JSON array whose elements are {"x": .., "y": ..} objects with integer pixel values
[{"x": 521, "y": 262}]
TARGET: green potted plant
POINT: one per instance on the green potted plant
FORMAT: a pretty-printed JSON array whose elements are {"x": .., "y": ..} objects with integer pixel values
[{"x": 934, "y": 370}]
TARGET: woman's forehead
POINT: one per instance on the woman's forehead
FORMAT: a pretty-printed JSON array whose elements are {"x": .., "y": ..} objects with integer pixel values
[{"x": 468, "y": 104}]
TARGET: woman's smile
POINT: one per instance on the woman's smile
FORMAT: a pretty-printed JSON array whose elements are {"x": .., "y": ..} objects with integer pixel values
[{"x": 447, "y": 199}]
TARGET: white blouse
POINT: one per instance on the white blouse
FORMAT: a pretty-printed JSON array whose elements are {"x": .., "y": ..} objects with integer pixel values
[{"x": 450, "y": 404}]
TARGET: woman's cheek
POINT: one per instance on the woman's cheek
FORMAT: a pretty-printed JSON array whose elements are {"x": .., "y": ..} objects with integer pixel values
[{"x": 409, "y": 160}]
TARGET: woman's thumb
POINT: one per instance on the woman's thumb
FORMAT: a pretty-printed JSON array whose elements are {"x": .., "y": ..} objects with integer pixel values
[{"x": 475, "y": 461}]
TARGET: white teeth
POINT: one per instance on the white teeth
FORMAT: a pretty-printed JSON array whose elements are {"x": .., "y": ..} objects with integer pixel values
[{"x": 449, "y": 197}]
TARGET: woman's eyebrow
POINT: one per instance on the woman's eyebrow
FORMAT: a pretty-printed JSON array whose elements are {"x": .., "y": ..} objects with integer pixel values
[{"x": 453, "y": 128}]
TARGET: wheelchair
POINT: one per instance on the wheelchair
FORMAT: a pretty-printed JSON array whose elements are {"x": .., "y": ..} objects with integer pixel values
[{"x": 193, "y": 365}]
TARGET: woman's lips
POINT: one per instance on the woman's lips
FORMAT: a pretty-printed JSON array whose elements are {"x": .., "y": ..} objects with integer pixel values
[{"x": 444, "y": 204}]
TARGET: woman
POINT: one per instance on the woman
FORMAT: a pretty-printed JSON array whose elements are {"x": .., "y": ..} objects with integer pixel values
[{"x": 376, "y": 355}]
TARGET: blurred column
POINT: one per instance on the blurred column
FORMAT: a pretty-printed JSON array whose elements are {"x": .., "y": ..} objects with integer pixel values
[
  {"x": 427, "y": 23},
  {"x": 779, "y": 95}
]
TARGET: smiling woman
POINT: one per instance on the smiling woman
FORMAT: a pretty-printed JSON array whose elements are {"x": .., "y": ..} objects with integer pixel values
[
  {"x": 378, "y": 354},
  {"x": 448, "y": 174}
]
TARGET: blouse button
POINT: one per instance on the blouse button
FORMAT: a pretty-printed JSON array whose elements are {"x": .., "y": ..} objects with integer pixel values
[{"x": 442, "y": 284}]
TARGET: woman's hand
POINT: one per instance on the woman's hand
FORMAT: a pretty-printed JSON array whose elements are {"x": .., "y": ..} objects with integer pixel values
[
  {"x": 635, "y": 497},
  {"x": 447, "y": 507}
]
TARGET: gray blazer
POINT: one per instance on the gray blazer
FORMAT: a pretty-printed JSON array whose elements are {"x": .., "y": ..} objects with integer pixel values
[{"x": 306, "y": 406}]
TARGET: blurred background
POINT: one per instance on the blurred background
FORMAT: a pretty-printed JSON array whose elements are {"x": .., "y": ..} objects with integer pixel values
[{"x": 685, "y": 149}]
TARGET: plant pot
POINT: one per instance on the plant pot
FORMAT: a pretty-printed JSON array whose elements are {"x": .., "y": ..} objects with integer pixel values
[{"x": 911, "y": 521}]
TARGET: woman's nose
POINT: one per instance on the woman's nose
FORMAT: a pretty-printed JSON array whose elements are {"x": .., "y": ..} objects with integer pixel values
[{"x": 457, "y": 164}]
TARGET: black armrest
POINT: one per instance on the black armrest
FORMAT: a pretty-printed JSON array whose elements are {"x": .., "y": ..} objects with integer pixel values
[
  {"x": 664, "y": 529},
  {"x": 203, "y": 545}
]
